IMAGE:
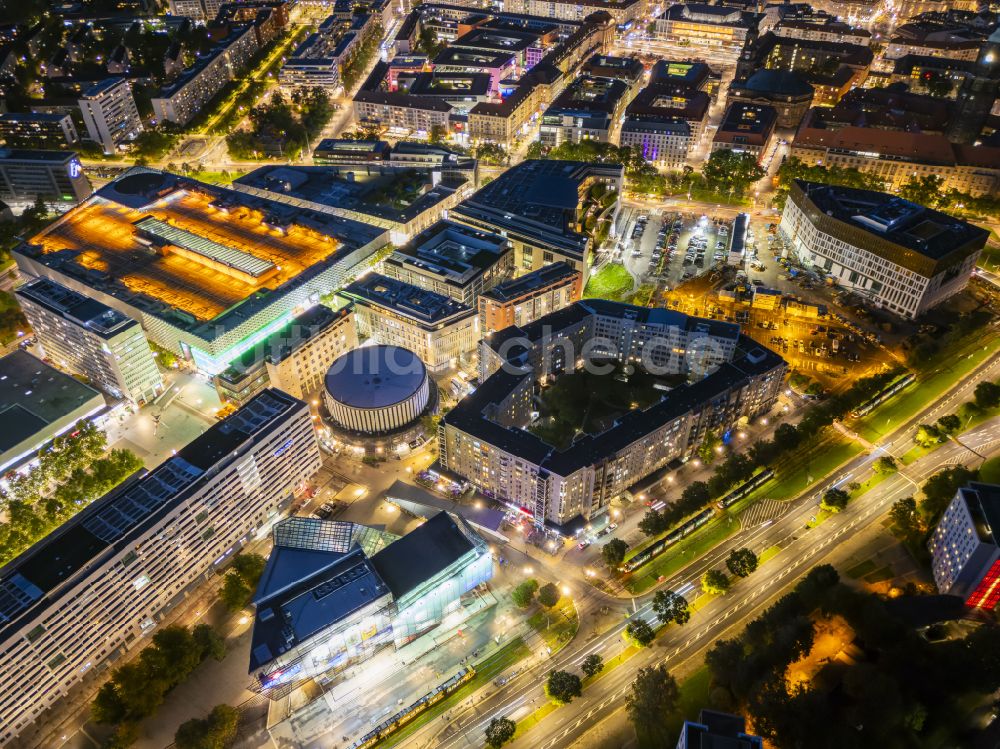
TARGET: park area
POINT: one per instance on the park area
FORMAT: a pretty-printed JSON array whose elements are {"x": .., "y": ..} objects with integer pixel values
[
  {"x": 583, "y": 402},
  {"x": 611, "y": 281}
]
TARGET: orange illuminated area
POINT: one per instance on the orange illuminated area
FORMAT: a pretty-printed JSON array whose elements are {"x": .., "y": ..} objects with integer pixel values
[{"x": 103, "y": 233}]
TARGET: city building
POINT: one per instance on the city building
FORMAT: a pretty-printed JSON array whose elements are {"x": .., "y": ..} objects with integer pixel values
[
  {"x": 978, "y": 92},
  {"x": 497, "y": 65},
  {"x": 716, "y": 730},
  {"x": 486, "y": 439},
  {"x": 787, "y": 93},
  {"x": 377, "y": 389},
  {"x": 722, "y": 29},
  {"x": 38, "y": 403},
  {"x": 893, "y": 107},
  {"x": 537, "y": 205},
  {"x": 403, "y": 198},
  {"x": 441, "y": 331},
  {"x": 180, "y": 101},
  {"x": 588, "y": 109},
  {"x": 334, "y": 593},
  {"x": 894, "y": 155},
  {"x": 453, "y": 260},
  {"x": 207, "y": 271},
  {"x": 97, "y": 585},
  {"x": 524, "y": 299},
  {"x": 827, "y": 29},
  {"x": 578, "y": 10},
  {"x": 110, "y": 114},
  {"x": 320, "y": 58},
  {"x": 665, "y": 121},
  {"x": 38, "y": 130},
  {"x": 293, "y": 359},
  {"x": 746, "y": 128},
  {"x": 895, "y": 254},
  {"x": 375, "y": 103},
  {"x": 627, "y": 69},
  {"x": 965, "y": 555},
  {"x": 91, "y": 339},
  {"x": 53, "y": 176},
  {"x": 685, "y": 74}
]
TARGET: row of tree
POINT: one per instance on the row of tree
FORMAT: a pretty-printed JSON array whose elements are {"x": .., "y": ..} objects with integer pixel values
[
  {"x": 283, "y": 126},
  {"x": 137, "y": 689},
  {"x": 69, "y": 474}
]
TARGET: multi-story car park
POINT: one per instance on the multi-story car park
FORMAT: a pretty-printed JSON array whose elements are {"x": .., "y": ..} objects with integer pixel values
[
  {"x": 896, "y": 254},
  {"x": 91, "y": 339},
  {"x": 95, "y": 586},
  {"x": 439, "y": 330},
  {"x": 453, "y": 260},
  {"x": 484, "y": 437},
  {"x": 536, "y": 205},
  {"x": 53, "y": 176},
  {"x": 965, "y": 555},
  {"x": 208, "y": 272}
]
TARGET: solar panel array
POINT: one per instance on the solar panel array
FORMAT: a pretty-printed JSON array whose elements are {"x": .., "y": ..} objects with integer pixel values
[{"x": 228, "y": 256}]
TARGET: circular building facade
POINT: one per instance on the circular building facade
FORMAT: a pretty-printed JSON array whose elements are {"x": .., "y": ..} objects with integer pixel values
[{"x": 376, "y": 389}]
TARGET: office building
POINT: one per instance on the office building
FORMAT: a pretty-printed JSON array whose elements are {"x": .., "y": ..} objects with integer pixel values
[
  {"x": 91, "y": 339},
  {"x": 895, "y": 254},
  {"x": 497, "y": 65},
  {"x": 715, "y": 730},
  {"x": 110, "y": 114},
  {"x": 53, "y": 176},
  {"x": 441, "y": 331},
  {"x": 588, "y": 109},
  {"x": 826, "y": 29},
  {"x": 524, "y": 299},
  {"x": 665, "y": 121},
  {"x": 746, "y": 128},
  {"x": 293, "y": 359},
  {"x": 95, "y": 586},
  {"x": 38, "y": 403},
  {"x": 723, "y": 29},
  {"x": 787, "y": 93},
  {"x": 335, "y": 593},
  {"x": 453, "y": 260},
  {"x": 536, "y": 205},
  {"x": 207, "y": 271},
  {"x": 485, "y": 438},
  {"x": 38, "y": 130},
  {"x": 965, "y": 555}
]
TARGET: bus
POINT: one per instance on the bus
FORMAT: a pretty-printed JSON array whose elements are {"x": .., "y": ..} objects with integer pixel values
[
  {"x": 755, "y": 482},
  {"x": 872, "y": 403},
  {"x": 684, "y": 529}
]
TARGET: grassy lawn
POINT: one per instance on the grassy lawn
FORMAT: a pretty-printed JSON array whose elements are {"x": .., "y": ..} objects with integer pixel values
[
  {"x": 769, "y": 553},
  {"x": 989, "y": 472},
  {"x": 556, "y": 626},
  {"x": 801, "y": 471},
  {"x": 486, "y": 671},
  {"x": 946, "y": 369},
  {"x": 989, "y": 258},
  {"x": 681, "y": 554},
  {"x": 860, "y": 570},
  {"x": 612, "y": 281},
  {"x": 693, "y": 697}
]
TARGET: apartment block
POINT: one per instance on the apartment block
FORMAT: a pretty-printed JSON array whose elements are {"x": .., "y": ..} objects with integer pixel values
[
  {"x": 965, "y": 556},
  {"x": 98, "y": 586},
  {"x": 38, "y": 130},
  {"x": 89, "y": 338},
  {"x": 524, "y": 299},
  {"x": 110, "y": 114}
]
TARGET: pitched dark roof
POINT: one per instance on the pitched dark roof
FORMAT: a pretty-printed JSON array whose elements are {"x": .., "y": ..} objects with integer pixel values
[{"x": 421, "y": 554}]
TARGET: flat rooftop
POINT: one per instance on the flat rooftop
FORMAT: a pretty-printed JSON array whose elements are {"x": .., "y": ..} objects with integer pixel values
[
  {"x": 97, "y": 318},
  {"x": 420, "y": 305},
  {"x": 26, "y": 154},
  {"x": 473, "y": 58},
  {"x": 518, "y": 287},
  {"x": 505, "y": 40},
  {"x": 192, "y": 247},
  {"x": 930, "y": 233},
  {"x": 590, "y": 93},
  {"x": 454, "y": 251}
]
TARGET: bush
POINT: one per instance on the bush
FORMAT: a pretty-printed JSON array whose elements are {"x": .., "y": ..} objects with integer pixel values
[
  {"x": 885, "y": 465},
  {"x": 715, "y": 582},
  {"x": 835, "y": 500}
]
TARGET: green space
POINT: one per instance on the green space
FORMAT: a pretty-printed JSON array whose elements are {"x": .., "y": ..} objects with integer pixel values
[
  {"x": 989, "y": 472},
  {"x": 282, "y": 127},
  {"x": 486, "y": 670},
  {"x": 557, "y": 625},
  {"x": 860, "y": 570},
  {"x": 989, "y": 258},
  {"x": 12, "y": 320},
  {"x": 769, "y": 553},
  {"x": 692, "y": 697},
  {"x": 586, "y": 402},
  {"x": 612, "y": 282},
  {"x": 804, "y": 468},
  {"x": 942, "y": 372},
  {"x": 681, "y": 554}
]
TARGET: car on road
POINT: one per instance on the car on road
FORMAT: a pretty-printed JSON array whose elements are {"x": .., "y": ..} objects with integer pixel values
[{"x": 583, "y": 544}]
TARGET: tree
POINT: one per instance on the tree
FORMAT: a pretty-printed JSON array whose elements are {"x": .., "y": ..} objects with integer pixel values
[
  {"x": 613, "y": 552},
  {"x": 885, "y": 465},
  {"x": 639, "y": 633},
  {"x": 524, "y": 594},
  {"x": 548, "y": 595},
  {"x": 834, "y": 500},
  {"x": 904, "y": 514},
  {"x": 216, "y": 731},
  {"x": 727, "y": 170},
  {"x": 562, "y": 686},
  {"x": 650, "y": 702},
  {"x": 500, "y": 731},
  {"x": 742, "y": 562},
  {"x": 671, "y": 607},
  {"x": 715, "y": 582},
  {"x": 924, "y": 190},
  {"x": 940, "y": 489},
  {"x": 928, "y": 435},
  {"x": 209, "y": 642},
  {"x": 652, "y": 523},
  {"x": 235, "y": 593},
  {"x": 437, "y": 134},
  {"x": 987, "y": 395},
  {"x": 592, "y": 665},
  {"x": 949, "y": 424},
  {"x": 707, "y": 448}
]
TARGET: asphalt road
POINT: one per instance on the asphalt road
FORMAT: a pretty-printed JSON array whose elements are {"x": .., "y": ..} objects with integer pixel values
[{"x": 801, "y": 549}]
